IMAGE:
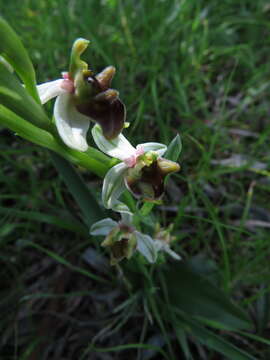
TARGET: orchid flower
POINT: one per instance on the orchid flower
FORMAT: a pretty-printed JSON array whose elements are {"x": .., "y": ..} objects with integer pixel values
[
  {"x": 142, "y": 170},
  {"x": 123, "y": 240},
  {"x": 81, "y": 97}
]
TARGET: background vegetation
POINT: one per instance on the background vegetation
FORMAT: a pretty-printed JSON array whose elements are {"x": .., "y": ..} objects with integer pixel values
[{"x": 200, "y": 68}]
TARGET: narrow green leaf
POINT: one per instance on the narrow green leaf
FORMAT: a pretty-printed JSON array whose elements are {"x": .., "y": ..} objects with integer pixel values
[
  {"x": 125, "y": 347},
  {"x": 160, "y": 321},
  {"x": 215, "y": 342},
  {"x": 195, "y": 295},
  {"x": 70, "y": 224},
  {"x": 87, "y": 202},
  {"x": 12, "y": 49},
  {"x": 182, "y": 339},
  {"x": 174, "y": 149},
  {"x": 63, "y": 261},
  {"x": 262, "y": 309},
  {"x": 14, "y": 96},
  {"x": 255, "y": 337},
  {"x": 92, "y": 160}
]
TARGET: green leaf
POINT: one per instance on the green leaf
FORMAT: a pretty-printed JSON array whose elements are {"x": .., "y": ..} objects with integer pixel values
[
  {"x": 12, "y": 49},
  {"x": 214, "y": 341},
  {"x": 195, "y": 295},
  {"x": 14, "y": 96},
  {"x": 92, "y": 159},
  {"x": 262, "y": 309},
  {"x": 91, "y": 348},
  {"x": 174, "y": 149},
  {"x": 61, "y": 260},
  {"x": 77, "y": 187},
  {"x": 255, "y": 337},
  {"x": 69, "y": 224},
  {"x": 182, "y": 339}
]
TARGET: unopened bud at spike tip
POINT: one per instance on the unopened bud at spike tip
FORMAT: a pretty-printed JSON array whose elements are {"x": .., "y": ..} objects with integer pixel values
[{"x": 167, "y": 166}]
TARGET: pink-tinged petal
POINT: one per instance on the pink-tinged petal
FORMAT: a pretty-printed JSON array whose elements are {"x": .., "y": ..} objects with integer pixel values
[
  {"x": 132, "y": 160},
  {"x": 50, "y": 89},
  {"x": 68, "y": 85},
  {"x": 71, "y": 125}
]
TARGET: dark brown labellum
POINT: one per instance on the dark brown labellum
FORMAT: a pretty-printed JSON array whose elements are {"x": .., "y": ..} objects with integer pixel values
[
  {"x": 109, "y": 114},
  {"x": 150, "y": 186}
]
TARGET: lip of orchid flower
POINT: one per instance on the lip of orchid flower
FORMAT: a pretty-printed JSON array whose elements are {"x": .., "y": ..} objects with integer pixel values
[{"x": 82, "y": 97}]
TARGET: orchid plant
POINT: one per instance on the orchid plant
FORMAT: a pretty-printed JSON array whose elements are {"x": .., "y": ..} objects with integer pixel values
[
  {"x": 83, "y": 97},
  {"x": 134, "y": 180}
]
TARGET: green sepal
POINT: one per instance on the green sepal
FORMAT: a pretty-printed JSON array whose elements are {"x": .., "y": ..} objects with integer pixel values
[
  {"x": 76, "y": 63},
  {"x": 174, "y": 149}
]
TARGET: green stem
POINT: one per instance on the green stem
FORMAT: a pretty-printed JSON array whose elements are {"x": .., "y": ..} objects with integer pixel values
[{"x": 92, "y": 159}]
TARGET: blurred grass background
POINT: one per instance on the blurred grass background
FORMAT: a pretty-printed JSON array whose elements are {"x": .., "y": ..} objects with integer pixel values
[{"x": 200, "y": 68}]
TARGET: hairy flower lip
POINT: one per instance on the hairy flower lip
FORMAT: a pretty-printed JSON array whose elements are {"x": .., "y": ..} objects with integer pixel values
[
  {"x": 109, "y": 114},
  {"x": 149, "y": 185}
]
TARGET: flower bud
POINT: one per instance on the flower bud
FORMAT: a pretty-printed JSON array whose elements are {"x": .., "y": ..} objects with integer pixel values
[{"x": 164, "y": 234}]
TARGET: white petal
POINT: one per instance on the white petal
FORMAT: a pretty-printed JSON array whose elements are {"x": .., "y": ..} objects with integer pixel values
[
  {"x": 172, "y": 253},
  {"x": 152, "y": 146},
  {"x": 146, "y": 246},
  {"x": 103, "y": 227},
  {"x": 162, "y": 246},
  {"x": 118, "y": 147},
  {"x": 49, "y": 90},
  {"x": 121, "y": 208},
  {"x": 113, "y": 187},
  {"x": 71, "y": 125}
]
